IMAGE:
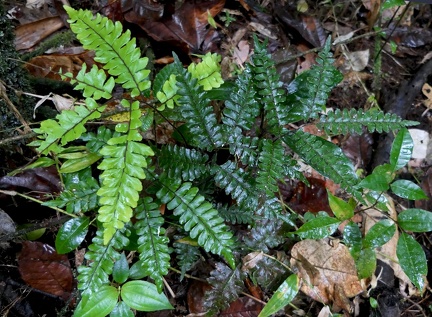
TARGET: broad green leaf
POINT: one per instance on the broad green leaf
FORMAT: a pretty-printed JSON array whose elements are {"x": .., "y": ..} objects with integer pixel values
[
  {"x": 98, "y": 304},
  {"x": 380, "y": 178},
  {"x": 415, "y": 220},
  {"x": 412, "y": 259},
  {"x": 379, "y": 234},
  {"x": 122, "y": 310},
  {"x": 366, "y": 263},
  {"x": 40, "y": 162},
  {"x": 341, "y": 209},
  {"x": 75, "y": 165},
  {"x": 282, "y": 297},
  {"x": 407, "y": 189},
  {"x": 318, "y": 228},
  {"x": 143, "y": 296},
  {"x": 121, "y": 269},
  {"x": 352, "y": 236},
  {"x": 401, "y": 150},
  {"x": 392, "y": 3},
  {"x": 71, "y": 234}
]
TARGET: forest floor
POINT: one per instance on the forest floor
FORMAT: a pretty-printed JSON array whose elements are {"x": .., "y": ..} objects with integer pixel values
[{"x": 384, "y": 55}]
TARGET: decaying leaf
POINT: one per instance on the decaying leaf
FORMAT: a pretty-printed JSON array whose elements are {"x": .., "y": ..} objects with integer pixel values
[
  {"x": 42, "y": 268},
  {"x": 328, "y": 272}
]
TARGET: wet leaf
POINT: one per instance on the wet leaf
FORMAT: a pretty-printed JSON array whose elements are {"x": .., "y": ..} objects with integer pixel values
[
  {"x": 318, "y": 228},
  {"x": 407, "y": 189},
  {"x": 242, "y": 307},
  {"x": 380, "y": 178},
  {"x": 379, "y": 234},
  {"x": 71, "y": 234},
  {"x": 143, "y": 296},
  {"x": 353, "y": 238},
  {"x": 415, "y": 220},
  {"x": 42, "y": 268},
  {"x": 282, "y": 297},
  {"x": 401, "y": 150},
  {"x": 366, "y": 263},
  {"x": 412, "y": 259},
  {"x": 75, "y": 165},
  {"x": 121, "y": 269},
  {"x": 341, "y": 209},
  {"x": 98, "y": 304}
]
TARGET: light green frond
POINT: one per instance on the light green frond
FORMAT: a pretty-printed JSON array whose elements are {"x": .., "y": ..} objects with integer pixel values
[{"x": 208, "y": 71}]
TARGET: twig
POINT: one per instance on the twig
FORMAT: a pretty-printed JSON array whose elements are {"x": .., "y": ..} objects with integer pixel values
[{"x": 17, "y": 138}]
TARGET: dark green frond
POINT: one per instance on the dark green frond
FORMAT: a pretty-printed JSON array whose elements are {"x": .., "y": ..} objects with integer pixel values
[
  {"x": 270, "y": 166},
  {"x": 198, "y": 217},
  {"x": 101, "y": 257},
  {"x": 353, "y": 121},
  {"x": 197, "y": 111},
  {"x": 235, "y": 214},
  {"x": 189, "y": 164},
  {"x": 236, "y": 182},
  {"x": 269, "y": 88},
  {"x": 324, "y": 156},
  {"x": 227, "y": 284},
  {"x": 97, "y": 141},
  {"x": 269, "y": 207},
  {"x": 187, "y": 256},
  {"x": 265, "y": 235},
  {"x": 153, "y": 244},
  {"x": 309, "y": 91},
  {"x": 242, "y": 108}
]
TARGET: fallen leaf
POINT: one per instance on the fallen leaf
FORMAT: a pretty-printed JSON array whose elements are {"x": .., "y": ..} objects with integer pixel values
[
  {"x": 242, "y": 307},
  {"x": 42, "y": 268},
  {"x": 328, "y": 271},
  {"x": 30, "y": 34}
]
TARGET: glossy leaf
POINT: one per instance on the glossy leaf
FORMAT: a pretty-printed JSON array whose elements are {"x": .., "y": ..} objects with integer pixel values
[
  {"x": 380, "y": 178},
  {"x": 121, "y": 269},
  {"x": 318, "y": 228},
  {"x": 71, "y": 234},
  {"x": 412, "y": 259},
  {"x": 121, "y": 310},
  {"x": 75, "y": 165},
  {"x": 341, "y": 209},
  {"x": 407, "y": 189},
  {"x": 352, "y": 237},
  {"x": 98, "y": 304},
  {"x": 415, "y": 220},
  {"x": 143, "y": 296},
  {"x": 401, "y": 150},
  {"x": 282, "y": 297},
  {"x": 366, "y": 263},
  {"x": 392, "y": 3},
  {"x": 379, "y": 234}
]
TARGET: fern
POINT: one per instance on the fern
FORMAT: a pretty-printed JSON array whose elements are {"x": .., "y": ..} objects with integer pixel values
[
  {"x": 353, "y": 121},
  {"x": 190, "y": 164},
  {"x": 265, "y": 235},
  {"x": 243, "y": 147},
  {"x": 208, "y": 71},
  {"x": 196, "y": 110},
  {"x": 153, "y": 244},
  {"x": 101, "y": 257},
  {"x": 226, "y": 287},
  {"x": 270, "y": 167},
  {"x": 198, "y": 217},
  {"x": 309, "y": 91},
  {"x": 236, "y": 214},
  {"x": 236, "y": 182},
  {"x": 187, "y": 255}
]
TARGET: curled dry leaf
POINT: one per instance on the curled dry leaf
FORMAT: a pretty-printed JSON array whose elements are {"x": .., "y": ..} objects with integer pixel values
[
  {"x": 30, "y": 34},
  {"x": 328, "y": 272},
  {"x": 42, "y": 268}
]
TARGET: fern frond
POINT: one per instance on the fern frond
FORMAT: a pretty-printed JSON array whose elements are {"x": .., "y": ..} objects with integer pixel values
[
  {"x": 94, "y": 83},
  {"x": 226, "y": 284},
  {"x": 270, "y": 166},
  {"x": 187, "y": 256},
  {"x": 168, "y": 94},
  {"x": 266, "y": 234},
  {"x": 324, "y": 156},
  {"x": 269, "y": 208},
  {"x": 68, "y": 127},
  {"x": 123, "y": 169},
  {"x": 236, "y": 214},
  {"x": 269, "y": 87},
  {"x": 196, "y": 110},
  {"x": 153, "y": 244},
  {"x": 113, "y": 48},
  {"x": 198, "y": 217},
  {"x": 97, "y": 141},
  {"x": 243, "y": 147},
  {"x": 353, "y": 121},
  {"x": 208, "y": 71},
  {"x": 309, "y": 91},
  {"x": 101, "y": 257},
  {"x": 189, "y": 164},
  {"x": 237, "y": 182},
  {"x": 242, "y": 108}
]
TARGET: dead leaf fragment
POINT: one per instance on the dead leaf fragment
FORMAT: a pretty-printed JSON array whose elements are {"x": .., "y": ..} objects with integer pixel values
[
  {"x": 30, "y": 34},
  {"x": 42, "y": 268},
  {"x": 328, "y": 271}
]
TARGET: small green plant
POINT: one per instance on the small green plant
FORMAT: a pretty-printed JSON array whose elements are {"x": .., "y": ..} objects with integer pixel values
[{"x": 224, "y": 169}]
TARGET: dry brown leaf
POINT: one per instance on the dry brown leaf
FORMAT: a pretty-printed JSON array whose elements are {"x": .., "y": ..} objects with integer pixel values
[
  {"x": 427, "y": 91},
  {"x": 30, "y": 34},
  {"x": 328, "y": 272}
]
